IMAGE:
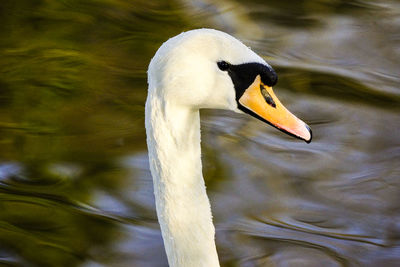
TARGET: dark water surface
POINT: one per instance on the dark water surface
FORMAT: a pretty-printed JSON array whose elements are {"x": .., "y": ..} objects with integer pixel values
[{"x": 75, "y": 186}]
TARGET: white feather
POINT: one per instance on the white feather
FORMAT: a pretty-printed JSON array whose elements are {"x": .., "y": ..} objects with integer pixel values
[{"x": 183, "y": 77}]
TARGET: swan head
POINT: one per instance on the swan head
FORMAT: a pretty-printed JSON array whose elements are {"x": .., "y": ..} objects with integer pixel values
[{"x": 207, "y": 68}]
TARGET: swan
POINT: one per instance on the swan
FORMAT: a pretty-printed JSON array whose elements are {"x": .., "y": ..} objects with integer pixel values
[{"x": 202, "y": 68}]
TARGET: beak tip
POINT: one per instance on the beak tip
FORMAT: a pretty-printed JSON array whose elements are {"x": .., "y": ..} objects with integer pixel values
[{"x": 309, "y": 130}]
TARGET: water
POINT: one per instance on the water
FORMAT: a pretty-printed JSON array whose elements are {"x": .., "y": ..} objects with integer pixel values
[{"x": 75, "y": 187}]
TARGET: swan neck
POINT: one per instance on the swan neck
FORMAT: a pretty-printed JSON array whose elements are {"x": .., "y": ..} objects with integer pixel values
[{"x": 183, "y": 208}]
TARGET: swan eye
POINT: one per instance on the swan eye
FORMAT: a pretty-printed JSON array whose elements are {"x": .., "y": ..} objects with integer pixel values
[
  {"x": 223, "y": 65},
  {"x": 267, "y": 96}
]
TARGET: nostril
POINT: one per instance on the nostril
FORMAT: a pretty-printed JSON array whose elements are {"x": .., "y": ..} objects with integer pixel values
[{"x": 267, "y": 96}]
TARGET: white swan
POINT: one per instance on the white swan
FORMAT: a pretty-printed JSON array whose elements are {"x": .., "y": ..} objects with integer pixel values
[{"x": 200, "y": 69}]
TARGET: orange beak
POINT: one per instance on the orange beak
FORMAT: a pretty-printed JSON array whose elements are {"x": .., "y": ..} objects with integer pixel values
[{"x": 261, "y": 100}]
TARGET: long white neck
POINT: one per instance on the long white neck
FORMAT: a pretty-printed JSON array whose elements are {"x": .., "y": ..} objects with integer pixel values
[{"x": 183, "y": 209}]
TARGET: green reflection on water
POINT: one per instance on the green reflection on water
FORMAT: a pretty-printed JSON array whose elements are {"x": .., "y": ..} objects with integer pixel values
[{"x": 72, "y": 87}]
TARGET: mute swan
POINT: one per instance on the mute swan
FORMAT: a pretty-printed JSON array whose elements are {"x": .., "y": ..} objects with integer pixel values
[{"x": 201, "y": 68}]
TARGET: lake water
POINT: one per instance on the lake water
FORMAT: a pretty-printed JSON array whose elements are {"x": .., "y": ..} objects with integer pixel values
[{"x": 75, "y": 186}]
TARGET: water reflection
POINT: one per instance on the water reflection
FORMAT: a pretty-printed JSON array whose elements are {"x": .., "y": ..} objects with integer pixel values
[{"x": 75, "y": 189}]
